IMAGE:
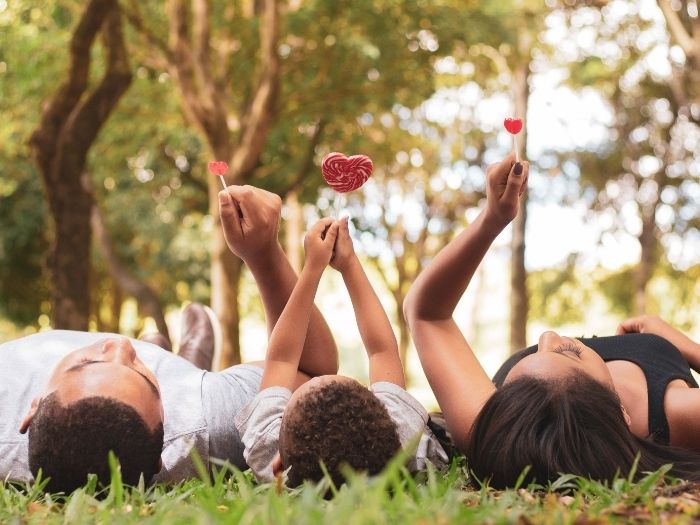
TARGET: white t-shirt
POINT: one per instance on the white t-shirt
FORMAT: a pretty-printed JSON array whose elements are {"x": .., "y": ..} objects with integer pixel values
[
  {"x": 199, "y": 406},
  {"x": 259, "y": 423}
]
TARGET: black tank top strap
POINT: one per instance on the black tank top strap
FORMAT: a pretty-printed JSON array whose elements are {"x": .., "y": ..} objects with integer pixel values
[{"x": 659, "y": 360}]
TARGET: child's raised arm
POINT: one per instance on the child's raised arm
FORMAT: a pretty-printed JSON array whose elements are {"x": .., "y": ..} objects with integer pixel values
[
  {"x": 455, "y": 375},
  {"x": 375, "y": 329},
  {"x": 287, "y": 339}
]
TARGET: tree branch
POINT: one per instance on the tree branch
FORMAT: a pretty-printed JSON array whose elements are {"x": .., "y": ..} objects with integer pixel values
[
  {"x": 677, "y": 30},
  {"x": 56, "y": 112},
  {"x": 258, "y": 116}
]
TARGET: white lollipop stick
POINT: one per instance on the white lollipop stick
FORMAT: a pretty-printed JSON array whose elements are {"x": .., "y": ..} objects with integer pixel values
[{"x": 223, "y": 182}]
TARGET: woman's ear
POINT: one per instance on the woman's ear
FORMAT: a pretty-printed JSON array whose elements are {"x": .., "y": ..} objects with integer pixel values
[
  {"x": 277, "y": 467},
  {"x": 626, "y": 415},
  {"x": 30, "y": 416}
]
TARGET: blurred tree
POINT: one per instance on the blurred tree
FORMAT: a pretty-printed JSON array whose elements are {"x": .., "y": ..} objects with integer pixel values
[
  {"x": 69, "y": 125},
  {"x": 683, "y": 23},
  {"x": 645, "y": 177},
  {"x": 264, "y": 83}
]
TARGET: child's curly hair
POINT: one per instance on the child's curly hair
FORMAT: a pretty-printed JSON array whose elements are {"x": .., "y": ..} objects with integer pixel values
[{"x": 340, "y": 423}]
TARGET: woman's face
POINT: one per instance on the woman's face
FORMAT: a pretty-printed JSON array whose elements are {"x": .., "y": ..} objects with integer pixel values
[{"x": 559, "y": 356}]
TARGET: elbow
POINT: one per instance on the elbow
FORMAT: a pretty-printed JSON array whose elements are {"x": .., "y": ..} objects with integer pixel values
[{"x": 409, "y": 308}]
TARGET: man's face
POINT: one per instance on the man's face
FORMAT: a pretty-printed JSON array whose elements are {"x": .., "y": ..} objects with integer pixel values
[{"x": 108, "y": 368}]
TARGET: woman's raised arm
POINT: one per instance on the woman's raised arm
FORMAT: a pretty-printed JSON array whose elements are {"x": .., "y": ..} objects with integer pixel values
[{"x": 455, "y": 374}]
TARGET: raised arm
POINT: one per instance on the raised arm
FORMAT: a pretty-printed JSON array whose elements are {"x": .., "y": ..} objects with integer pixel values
[
  {"x": 375, "y": 329},
  {"x": 250, "y": 218},
  {"x": 287, "y": 339},
  {"x": 455, "y": 374}
]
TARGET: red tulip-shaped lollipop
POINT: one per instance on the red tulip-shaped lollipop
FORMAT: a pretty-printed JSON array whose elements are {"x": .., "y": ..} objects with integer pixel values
[
  {"x": 514, "y": 126},
  {"x": 345, "y": 174},
  {"x": 218, "y": 168}
]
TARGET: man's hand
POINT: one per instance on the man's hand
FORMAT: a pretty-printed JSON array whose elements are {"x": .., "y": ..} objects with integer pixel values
[
  {"x": 250, "y": 218},
  {"x": 506, "y": 181},
  {"x": 344, "y": 252},
  {"x": 319, "y": 243}
]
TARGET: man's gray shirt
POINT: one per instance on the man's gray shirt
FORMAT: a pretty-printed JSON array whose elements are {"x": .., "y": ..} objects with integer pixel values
[{"x": 199, "y": 406}]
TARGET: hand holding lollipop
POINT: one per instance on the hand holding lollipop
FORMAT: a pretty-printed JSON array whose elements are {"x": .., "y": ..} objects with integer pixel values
[{"x": 514, "y": 126}]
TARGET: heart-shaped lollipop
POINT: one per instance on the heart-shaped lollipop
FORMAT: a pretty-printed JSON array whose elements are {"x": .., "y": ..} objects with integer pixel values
[
  {"x": 217, "y": 167},
  {"x": 345, "y": 174},
  {"x": 513, "y": 125}
]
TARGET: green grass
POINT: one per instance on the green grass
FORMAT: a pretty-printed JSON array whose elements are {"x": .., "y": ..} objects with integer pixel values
[{"x": 394, "y": 497}]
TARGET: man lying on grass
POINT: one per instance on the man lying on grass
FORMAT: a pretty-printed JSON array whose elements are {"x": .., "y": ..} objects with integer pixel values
[
  {"x": 78, "y": 395},
  {"x": 332, "y": 420}
]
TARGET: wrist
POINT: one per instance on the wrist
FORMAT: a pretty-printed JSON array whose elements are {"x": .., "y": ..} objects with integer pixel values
[
  {"x": 349, "y": 265},
  {"x": 491, "y": 223},
  {"x": 267, "y": 257}
]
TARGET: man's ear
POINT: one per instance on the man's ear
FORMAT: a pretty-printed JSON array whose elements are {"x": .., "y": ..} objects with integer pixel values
[
  {"x": 30, "y": 416},
  {"x": 626, "y": 415},
  {"x": 277, "y": 467}
]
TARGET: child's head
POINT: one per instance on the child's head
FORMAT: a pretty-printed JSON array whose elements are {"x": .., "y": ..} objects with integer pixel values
[{"x": 335, "y": 420}]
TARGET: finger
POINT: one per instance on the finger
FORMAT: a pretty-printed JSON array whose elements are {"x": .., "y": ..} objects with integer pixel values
[
  {"x": 230, "y": 218},
  {"x": 628, "y": 326},
  {"x": 344, "y": 229},
  {"x": 514, "y": 183},
  {"x": 332, "y": 233},
  {"x": 245, "y": 198},
  {"x": 320, "y": 227}
]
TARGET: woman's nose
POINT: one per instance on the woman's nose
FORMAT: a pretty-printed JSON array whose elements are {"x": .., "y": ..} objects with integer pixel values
[{"x": 547, "y": 340}]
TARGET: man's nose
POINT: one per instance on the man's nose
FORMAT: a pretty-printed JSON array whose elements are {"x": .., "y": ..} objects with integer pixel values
[{"x": 120, "y": 350}]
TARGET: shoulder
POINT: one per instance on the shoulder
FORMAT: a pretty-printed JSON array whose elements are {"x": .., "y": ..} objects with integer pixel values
[{"x": 682, "y": 405}]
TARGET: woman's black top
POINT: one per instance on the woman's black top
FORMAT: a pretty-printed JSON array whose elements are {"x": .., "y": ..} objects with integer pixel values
[{"x": 660, "y": 361}]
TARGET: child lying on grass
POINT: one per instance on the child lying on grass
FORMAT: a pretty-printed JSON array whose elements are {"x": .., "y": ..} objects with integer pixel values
[{"x": 332, "y": 419}]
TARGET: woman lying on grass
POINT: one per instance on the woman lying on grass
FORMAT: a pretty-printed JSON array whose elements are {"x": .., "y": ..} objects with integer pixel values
[{"x": 586, "y": 407}]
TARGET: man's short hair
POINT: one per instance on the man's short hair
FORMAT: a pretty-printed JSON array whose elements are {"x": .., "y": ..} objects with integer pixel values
[
  {"x": 69, "y": 442},
  {"x": 340, "y": 423}
]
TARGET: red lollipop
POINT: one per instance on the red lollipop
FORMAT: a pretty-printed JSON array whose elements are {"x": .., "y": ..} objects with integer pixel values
[
  {"x": 345, "y": 174},
  {"x": 514, "y": 126},
  {"x": 218, "y": 168}
]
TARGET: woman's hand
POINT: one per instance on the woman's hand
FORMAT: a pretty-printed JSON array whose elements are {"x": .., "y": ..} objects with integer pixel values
[
  {"x": 506, "y": 181},
  {"x": 319, "y": 243},
  {"x": 653, "y": 324},
  {"x": 344, "y": 252}
]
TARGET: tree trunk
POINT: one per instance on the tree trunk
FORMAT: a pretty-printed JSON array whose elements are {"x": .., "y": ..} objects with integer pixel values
[
  {"x": 645, "y": 269},
  {"x": 69, "y": 125},
  {"x": 293, "y": 228},
  {"x": 226, "y": 270},
  {"x": 518, "y": 276},
  {"x": 404, "y": 341},
  {"x": 147, "y": 299}
]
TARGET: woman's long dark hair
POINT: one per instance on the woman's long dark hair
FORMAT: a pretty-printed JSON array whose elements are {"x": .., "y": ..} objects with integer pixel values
[{"x": 572, "y": 425}]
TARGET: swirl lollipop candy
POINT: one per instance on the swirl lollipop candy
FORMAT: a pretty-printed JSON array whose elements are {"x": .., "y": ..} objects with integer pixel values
[{"x": 345, "y": 174}]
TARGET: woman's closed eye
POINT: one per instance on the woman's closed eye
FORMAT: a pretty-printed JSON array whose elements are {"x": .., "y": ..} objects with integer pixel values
[{"x": 568, "y": 349}]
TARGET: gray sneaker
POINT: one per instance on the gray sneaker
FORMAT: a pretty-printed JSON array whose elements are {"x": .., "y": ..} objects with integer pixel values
[{"x": 200, "y": 337}]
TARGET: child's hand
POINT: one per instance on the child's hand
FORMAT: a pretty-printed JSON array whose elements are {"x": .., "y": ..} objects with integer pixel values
[
  {"x": 319, "y": 243},
  {"x": 344, "y": 251},
  {"x": 506, "y": 182}
]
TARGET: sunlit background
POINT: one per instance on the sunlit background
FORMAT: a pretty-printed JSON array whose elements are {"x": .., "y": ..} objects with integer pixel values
[{"x": 612, "y": 97}]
